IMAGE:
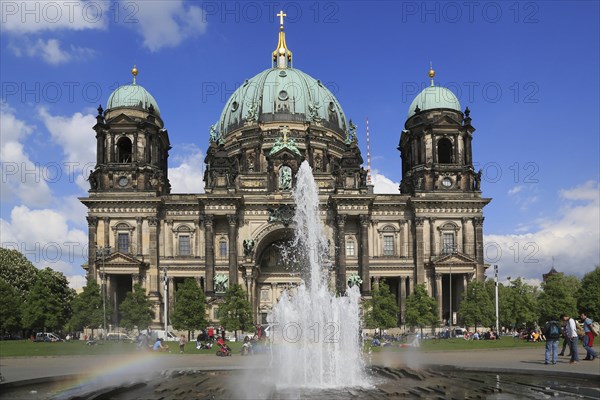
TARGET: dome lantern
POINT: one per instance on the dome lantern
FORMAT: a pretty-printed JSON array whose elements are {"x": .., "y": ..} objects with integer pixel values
[
  {"x": 282, "y": 56},
  {"x": 133, "y": 96},
  {"x": 434, "y": 97}
]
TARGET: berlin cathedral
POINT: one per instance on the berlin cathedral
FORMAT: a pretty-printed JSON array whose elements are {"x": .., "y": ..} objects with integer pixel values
[{"x": 140, "y": 233}]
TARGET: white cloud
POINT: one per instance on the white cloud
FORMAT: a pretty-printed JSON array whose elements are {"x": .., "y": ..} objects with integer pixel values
[
  {"x": 50, "y": 51},
  {"x": 383, "y": 184},
  {"x": 45, "y": 238},
  {"x": 26, "y": 17},
  {"x": 571, "y": 237},
  {"x": 21, "y": 178},
  {"x": 188, "y": 176},
  {"x": 77, "y": 139},
  {"x": 515, "y": 190},
  {"x": 168, "y": 23}
]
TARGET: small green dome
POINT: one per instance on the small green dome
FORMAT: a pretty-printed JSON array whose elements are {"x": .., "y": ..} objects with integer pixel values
[
  {"x": 434, "y": 97},
  {"x": 132, "y": 96},
  {"x": 282, "y": 95}
]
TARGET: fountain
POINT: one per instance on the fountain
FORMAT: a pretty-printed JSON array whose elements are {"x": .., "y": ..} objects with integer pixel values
[{"x": 318, "y": 332}]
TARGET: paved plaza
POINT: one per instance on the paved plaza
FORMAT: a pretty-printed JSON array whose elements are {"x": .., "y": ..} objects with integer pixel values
[{"x": 528, "y": 360}]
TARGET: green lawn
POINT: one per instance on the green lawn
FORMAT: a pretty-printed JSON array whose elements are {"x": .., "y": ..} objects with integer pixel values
[
  {"x": 461, "y": 345},
  {"x": 26, "y": 348}
]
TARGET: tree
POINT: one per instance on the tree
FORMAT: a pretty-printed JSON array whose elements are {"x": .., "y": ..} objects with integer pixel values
[
  {"x": 236, "y": 313},
  {"x": 588, "y": 295},
  {"x": 518, "y": 303},
  {"x": 87, "y": 307},
  {"x": 136, "y": 309},
  {"x": 43, "y": 310},
  {"x": 190, "y": 308},
  {"x": 558, "y": 296},
  {"x": 10, "y": 308},
  {"x": 59, "y": 287},
  {"x": 17, "y": 271},
  {"x": 421, "y": 309},
  {"x": 476, "y": 308},
  {"x": 382, "y": 310}
]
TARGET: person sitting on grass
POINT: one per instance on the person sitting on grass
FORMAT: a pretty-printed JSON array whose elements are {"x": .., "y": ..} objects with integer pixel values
[{"x": 158, "y": 346}]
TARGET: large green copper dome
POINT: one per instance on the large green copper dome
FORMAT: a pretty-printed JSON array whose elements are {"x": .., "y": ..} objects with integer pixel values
[
  {"x": 434, "y": 97},
  {"x": 282, "y": 95},
  {"x": 132, "y": 96}
]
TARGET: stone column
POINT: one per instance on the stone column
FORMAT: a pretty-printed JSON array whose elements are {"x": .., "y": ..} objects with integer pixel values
[
  {"x": 106, "y": 221},
  {"x": 233, "y": 270},
  {"x": 432, "y": 252},
  {"x": 209, "y": 246},
  {"x": 401, "y": 250},
  {"x": 100, "y": 144},
  {"x": 402, "y": 298},
  {"x": 92, "y": 246},
  {"x": 420, "y": 255},
  {"x": 341, "y": 280},
  {"x": 139, "y": 251},
  {"x": 478, "y": 222},
  {"x": 465, "y": 283},
  {"x": 376, "y": 282},
  {"x": 464, "y": 220},
  {"x": 171, "y": 295},
  {"x": 197, "y": 248},
  {"x": 410, "y": 253},
  {"x": 364, "y": 254},
  {"x": 134, "y": 157},
  {"x": 438, "y": 294},
  {"x": 411, "y": 285},
  {"x": 169, "y": 238},
  {"x": 153, "y": 223},
  {"x": 111, "y": 148}
]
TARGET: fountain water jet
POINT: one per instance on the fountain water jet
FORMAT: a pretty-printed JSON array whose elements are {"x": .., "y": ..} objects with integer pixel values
[{"x": 318, "y": 342}]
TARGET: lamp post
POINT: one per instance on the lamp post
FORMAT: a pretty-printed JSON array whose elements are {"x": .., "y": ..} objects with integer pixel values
[
  {"x": 104, "y": 251},
  {"x": 497, "y": 314},
  {"x": 166, "y": 281},
  {"x": 450, "y": 319}
]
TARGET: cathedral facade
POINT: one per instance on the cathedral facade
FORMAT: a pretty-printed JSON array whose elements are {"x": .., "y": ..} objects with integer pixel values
[{"x": 141, "y": 233}]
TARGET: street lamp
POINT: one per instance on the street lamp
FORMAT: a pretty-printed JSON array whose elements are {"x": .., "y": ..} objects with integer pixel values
[
  {"x": 452, "y": 251},
  {"x": 103, "y": 251},
  {"x": 166, "y": 281},
  {"x": 497, "y": 315}
]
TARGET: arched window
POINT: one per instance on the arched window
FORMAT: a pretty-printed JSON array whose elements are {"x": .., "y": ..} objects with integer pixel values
[
  {"x": 222, "y": 248},
  {"x": 444, "y": 151},
  {"x": 350, "y": 247},
  {"x": 124, "y": 150}
]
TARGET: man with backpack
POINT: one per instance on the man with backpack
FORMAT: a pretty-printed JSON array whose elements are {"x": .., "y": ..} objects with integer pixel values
[
  {"x": 588, "y": 337},
  {"x": 552, "y": 333}
]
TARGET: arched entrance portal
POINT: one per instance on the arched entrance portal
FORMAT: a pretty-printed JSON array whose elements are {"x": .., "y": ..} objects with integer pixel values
[{"x": 276, "y": 271}]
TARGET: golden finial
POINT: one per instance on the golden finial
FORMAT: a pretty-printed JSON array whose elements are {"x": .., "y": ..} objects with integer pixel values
[
  {"x": 134, "y": 72},
  {"x": 431, "y": 73},
  {"x": 282, "y": 56}
]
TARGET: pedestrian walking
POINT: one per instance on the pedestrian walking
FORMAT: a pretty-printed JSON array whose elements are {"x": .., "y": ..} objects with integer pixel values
[
  {"x": 571, "y": 331},
  {"x": 181, "y": 343},
  {"x": 588, "y": 337},
  {"x": 552, "y": 333}
]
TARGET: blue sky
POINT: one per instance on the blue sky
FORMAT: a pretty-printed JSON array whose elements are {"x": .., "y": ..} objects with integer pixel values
[{"x": 529, "y": 72}]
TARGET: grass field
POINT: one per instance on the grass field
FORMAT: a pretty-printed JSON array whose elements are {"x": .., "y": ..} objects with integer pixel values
[
  {"x": 462, "y": 345},
  {"x": 26, "y": 348}
]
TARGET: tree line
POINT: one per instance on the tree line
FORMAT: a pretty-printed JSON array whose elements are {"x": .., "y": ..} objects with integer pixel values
[
  {"x": 520, "y": 305},
  {"x": 35, "y": 300}
]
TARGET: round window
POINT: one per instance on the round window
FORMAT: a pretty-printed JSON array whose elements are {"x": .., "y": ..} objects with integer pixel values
[
  {"x": 283, "y": 95},
  {"x": 234, "y": 106}
]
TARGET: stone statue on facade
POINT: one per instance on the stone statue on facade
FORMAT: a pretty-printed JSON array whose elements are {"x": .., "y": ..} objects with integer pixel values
[
  {"x": 251, "y": 113},
  {"x": 248, "y": 247},
  {"x": 313, "y": 111},
  {"x": 285, "y": 178}
]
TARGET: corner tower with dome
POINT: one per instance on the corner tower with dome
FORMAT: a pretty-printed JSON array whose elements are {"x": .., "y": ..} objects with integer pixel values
[{"x": 430, "y": 233}]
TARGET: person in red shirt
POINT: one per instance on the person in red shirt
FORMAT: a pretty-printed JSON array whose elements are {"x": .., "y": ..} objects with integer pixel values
[{"x": 211, "y": 334}]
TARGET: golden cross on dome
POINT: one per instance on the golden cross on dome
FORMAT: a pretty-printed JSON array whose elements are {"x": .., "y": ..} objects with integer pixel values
[
  {"x": 281, "y": 15},
  {"x": 284, "y": 130}
]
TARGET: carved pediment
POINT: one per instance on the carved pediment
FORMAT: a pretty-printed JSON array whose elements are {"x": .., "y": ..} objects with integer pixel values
[
  {"x": 445, "y": 120},
  {"x": 118, "y": 258},
  {"x": 453, "y": 259}
]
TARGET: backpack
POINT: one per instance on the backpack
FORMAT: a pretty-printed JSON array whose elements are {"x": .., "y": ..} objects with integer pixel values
[
  {"x": 579, "y": 326},
  {"x": 595, "y": 328},
  {"x": 554, "y": 331}
]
